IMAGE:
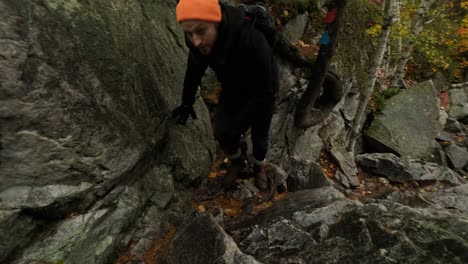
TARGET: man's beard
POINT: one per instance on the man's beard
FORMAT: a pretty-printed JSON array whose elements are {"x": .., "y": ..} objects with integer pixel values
[{"x": 205, "y": 51}]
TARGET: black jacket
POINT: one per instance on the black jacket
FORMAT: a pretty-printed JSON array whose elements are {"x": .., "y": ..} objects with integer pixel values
[{"x": 243, "y": 62}]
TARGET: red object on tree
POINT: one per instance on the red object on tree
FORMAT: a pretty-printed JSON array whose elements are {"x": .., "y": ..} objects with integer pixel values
[
  {"x": 330, "y": 16},
  {"x": 444, "y": 100}
]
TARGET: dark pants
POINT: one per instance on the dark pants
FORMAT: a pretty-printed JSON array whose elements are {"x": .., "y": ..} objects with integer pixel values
[{"x": 229, "y": 127}]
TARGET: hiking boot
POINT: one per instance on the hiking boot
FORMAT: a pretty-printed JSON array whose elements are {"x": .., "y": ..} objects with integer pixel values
[
  {"x": 261, "y": 180},
  {"x": 233, "y": 173}
]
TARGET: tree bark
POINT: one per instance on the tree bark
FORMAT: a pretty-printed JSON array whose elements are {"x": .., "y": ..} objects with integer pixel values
[
  {"x": 389, "y": 14},
  {"x": 379, "y": 55},
  {"x": 391, "y": 69},
  {"x": 418, "y": 27},
  {"x": 306, "y": 115}
]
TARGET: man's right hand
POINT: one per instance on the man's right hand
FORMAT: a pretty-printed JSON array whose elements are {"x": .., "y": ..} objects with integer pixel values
[{"x": 181, "y": 113}]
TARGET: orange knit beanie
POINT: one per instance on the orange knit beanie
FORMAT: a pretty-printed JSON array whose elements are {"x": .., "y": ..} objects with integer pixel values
[{"x": 206, "y": 10}]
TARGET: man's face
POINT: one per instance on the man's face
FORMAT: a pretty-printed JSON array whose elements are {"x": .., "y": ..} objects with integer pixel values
[{"x": 202, "y": 34}]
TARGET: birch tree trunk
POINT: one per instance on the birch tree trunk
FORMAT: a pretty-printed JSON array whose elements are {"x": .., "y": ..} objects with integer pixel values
[
  {"x": 383, "y": 42},
  {"x": 391, "y": 69},
  {"x": 389, "y": 12},
  {"x": 418, "y": 27}
]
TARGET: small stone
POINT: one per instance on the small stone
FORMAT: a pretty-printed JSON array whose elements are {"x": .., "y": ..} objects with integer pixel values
[
  {"x": 218, "y": 214},
  {"x": 383, "y": 180}
]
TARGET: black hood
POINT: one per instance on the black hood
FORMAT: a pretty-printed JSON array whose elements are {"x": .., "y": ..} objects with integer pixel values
[{"x": 229, "y": 28}]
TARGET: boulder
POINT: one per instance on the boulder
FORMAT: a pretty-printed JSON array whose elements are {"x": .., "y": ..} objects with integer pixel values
[
  {"x": 459, "y": 112},
  {"x": 16, "y": 230},
  {"x": 453, "y": 126},
  {"x": 443, "y": 116},
  {"x": 201, "y": 240},
  {"x": 457, "y": 156},
  {"x": 295, "y": 28},
  {"x": 415, "y": 109},
  {"x": 304, "y": 175},
  {"x": 94, "y": 235},
  {"x": 85, "y": 98},
  {"x": 454, "y": 199},
  {"x": 346, "y": 163},
  {"x": 396, "y": 170},
  {"x": 332, "y": 229},
  {"x": 458, "y": 97}
]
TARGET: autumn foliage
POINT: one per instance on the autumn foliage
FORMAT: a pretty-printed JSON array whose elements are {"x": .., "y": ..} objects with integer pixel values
[{"x": 441, "y": 46}]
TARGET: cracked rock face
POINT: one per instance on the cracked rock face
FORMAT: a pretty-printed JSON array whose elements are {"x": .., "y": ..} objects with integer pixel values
[
  {"x": 400, "y": 170},
  {"x": 201, "y": 240},
  {"x": 84, "y": 101},
  {"x": 332, "y": 229}
]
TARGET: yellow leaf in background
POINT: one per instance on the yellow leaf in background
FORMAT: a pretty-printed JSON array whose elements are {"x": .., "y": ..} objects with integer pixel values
[
  {"x": 212, "y": 175},
  {"x": 201, "y": 208},
  {"x": 278, "y": 21},
  {"x": 232, "y": 212},
  {"x": 286, "y": 13}
]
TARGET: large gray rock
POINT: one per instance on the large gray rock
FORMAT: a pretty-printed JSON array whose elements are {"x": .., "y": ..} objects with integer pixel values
[
  {"x": 85, "y": 97},
  {"x": 295, "y": 28},
  {"x": 459, "y": 112},
  {"x": 458, "y": 96},
  {"x": 16, "y": 230},
  {"x": 415, "y": 109},
  {"x": 94, "y": 236},
  {"x": 201, "y": 240},
  {"x": 305, "y": 175},
  {"x": 331, "y": 229},
  {"x": 459, "y": 105},
  {"x": 455, "y": 198},
  {"x": 396, "y": 170},
  {"x": 347, "y": 165},
  {"x": 458, "y": 156}
]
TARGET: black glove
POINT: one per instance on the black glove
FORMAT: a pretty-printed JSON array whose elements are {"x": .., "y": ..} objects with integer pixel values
[{"x": 181, "y": 113}]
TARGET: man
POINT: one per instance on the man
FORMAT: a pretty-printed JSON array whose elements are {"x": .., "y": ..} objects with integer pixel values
[{"x": 218, "y": 36}]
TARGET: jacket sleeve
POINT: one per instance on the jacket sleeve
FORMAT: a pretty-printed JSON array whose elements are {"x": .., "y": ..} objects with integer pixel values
[{"x": 196, "y": 67}]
